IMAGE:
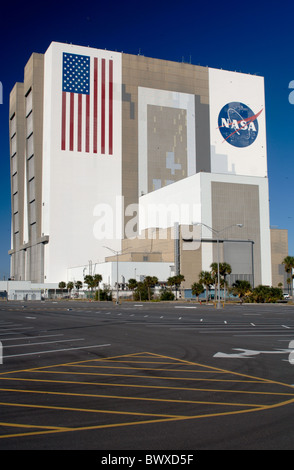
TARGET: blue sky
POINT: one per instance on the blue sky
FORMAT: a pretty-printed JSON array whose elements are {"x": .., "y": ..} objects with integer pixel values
[{"x": 249, "y": 37}]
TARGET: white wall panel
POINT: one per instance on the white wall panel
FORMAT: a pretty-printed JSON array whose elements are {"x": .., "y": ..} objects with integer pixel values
[
  {"x": 77, "y": 183},
  {"x": 178, "y": 202},
  {"x": 230, "y": 87}
]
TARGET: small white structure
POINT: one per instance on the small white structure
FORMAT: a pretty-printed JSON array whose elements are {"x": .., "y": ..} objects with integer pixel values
[
  {"x": 24, "y": 290},
  {"x": 122, "y": 271}
]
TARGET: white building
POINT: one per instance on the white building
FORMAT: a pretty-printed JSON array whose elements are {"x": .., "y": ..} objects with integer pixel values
[{"x": 99, "y": 137}]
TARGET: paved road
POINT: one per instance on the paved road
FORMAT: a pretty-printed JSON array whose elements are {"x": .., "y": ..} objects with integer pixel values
[{"x": 89, "y": 375}]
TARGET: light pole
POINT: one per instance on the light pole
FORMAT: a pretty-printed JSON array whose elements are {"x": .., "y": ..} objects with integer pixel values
[
  {"x": 116, "y": 253},
  {"x": 217, "y": 232}
]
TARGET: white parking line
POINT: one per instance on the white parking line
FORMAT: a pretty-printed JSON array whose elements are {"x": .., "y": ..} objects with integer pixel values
[
  {"x": 45, "y": 342},
  {"x": 183, "y": 306},
  {"x": 13, "y": 332},
  {"x": 57, "y": 350},
  {"x": 32, "y": 337}
]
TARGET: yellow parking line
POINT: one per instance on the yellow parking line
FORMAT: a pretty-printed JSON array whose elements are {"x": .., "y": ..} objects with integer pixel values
[
  {"x": 88, "y": 410},
  {"x": 124, "y": 361},
  {"x": 228, "y": 372},
  {"x": 3, "y": 373},
  {"x": 148, "y": 386},
  {"x": 255, "y": 380},
  {"x": 136, "y": 358},
  {"x": 167, "y": 370},
  {"x": 134, "y": 423},
  {"x": 30, "y": 426},
  {"x": 66, "y": 364},
  {"x": 117, "y": 397},
  {"x": 88, "y": 428},
  {"x": 35, "y": 433}
]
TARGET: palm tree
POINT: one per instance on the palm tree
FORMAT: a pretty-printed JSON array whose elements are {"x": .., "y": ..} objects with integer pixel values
[
  {"x": 241, "y": 288},
  {"x": 97, "y": 278},
  {"x": 150, "y": 281},
  {"x": 132, "y": 285},
  {"x": 70, "y": 286},
  {"x": 89, "y": 280},
  {"x": 288, "y": 263},
  {"x": 206, "y": 279},
  {"x": 225, "y": 269},
  {"x": 197, "y": 289},
  {"x": 62, "y": 285},
  {"x": 175, "y": 281},
  {"x": 214, "y": 275},
  {"x": 78, "y": 286}
]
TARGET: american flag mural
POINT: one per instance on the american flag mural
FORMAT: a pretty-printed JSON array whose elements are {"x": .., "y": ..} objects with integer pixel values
[{"x": 87, "y": 104}]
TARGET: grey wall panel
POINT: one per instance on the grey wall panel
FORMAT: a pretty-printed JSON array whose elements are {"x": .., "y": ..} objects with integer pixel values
[{"x": 233, "y": 204}]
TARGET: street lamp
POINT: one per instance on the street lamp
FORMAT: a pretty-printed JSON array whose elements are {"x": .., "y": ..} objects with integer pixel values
[
  {"x": 116, "y": 253},
  {"x": 217, "y": 232}
]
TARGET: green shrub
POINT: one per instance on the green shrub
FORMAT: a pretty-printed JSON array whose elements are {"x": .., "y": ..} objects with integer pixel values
[
  {"x": 262, "y": 294},
  {"x": 167, "y": 295},
  {"x": 103, "y": 295}
]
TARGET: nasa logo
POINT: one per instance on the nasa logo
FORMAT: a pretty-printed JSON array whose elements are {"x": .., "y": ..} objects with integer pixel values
[{"x": 238, "y": 124}]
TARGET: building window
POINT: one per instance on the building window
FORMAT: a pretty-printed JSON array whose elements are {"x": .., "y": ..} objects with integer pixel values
[
  {"x": 14, "y": 184},
  {"x": 13, "y": 164},
  {"x": 31, "y": 189},
  {"x": 29, "y": 102},
  {"x": 30, "y": 145},
  {"x": 31, "y": 168},
  {"x": 29, "y": 122},
  {"x": 12, "y": 125},
  {"x": 13, "y": 145}
]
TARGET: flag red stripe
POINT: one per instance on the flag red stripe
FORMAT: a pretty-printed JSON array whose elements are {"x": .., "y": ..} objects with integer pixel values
[
  {"x": 63, "y": 120},
  {"x": 110, "y": 106},
  {"x": 79, "y": 113},
  {"x": 95, "y": 121},
  {"x": 79, "y": 123},
  {"x": 71, "y": 121},
  {"x": 103, "y": 108},
  {"x": 87, "y": 123}
]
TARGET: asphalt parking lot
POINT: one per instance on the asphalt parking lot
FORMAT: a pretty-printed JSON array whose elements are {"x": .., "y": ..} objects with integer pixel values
[{"x": 136, "y": 376}]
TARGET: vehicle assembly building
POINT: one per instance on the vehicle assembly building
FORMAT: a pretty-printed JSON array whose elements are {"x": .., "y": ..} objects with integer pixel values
[{"x": 156, "y": 165}]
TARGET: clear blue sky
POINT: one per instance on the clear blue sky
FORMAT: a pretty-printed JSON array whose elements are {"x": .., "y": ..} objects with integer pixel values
[{"x": 251, "y": 37}]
